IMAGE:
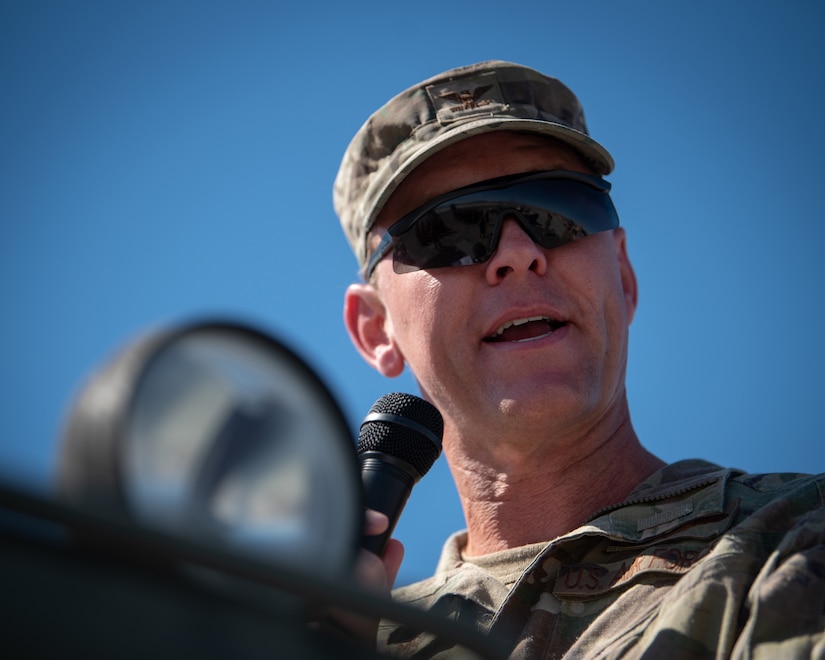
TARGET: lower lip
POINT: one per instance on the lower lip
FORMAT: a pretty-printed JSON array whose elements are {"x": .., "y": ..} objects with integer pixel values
[{"x": 535, "y": 342}]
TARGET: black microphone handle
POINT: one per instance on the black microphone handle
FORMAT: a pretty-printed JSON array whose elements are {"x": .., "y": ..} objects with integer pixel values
[{"x": 388, "y": 482}]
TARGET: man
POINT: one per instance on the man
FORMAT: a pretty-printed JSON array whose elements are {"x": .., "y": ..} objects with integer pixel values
[{"x": 496, "y": 271}]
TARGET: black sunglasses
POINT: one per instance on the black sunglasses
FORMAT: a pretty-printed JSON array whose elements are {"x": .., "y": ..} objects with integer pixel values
[{"x": 462, "y": 227}]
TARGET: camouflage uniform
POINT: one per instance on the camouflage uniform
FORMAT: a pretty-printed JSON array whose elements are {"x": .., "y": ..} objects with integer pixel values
[{"x": 699, "y": 561}]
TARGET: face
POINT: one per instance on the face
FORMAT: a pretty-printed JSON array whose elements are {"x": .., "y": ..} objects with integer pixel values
[{"x": 533, "y": 340}]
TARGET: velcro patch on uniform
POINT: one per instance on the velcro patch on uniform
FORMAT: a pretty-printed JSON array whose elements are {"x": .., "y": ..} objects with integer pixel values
[{"x": 665, "y": 515}]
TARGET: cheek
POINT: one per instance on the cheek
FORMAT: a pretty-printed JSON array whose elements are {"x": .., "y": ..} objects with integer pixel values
[
  {"x": 614, "y": 318},
  {"x": 593, "y": 274},
  {"x": 414, "y": 311}
]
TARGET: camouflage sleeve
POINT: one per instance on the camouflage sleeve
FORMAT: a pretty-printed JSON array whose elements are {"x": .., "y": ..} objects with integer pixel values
[{"x": 786, "y": 603}]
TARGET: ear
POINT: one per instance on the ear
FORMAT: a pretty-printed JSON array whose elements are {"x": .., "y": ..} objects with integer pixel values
[
  {"x": 369, "y": 328},
  {"x": 629, "y": 284}
]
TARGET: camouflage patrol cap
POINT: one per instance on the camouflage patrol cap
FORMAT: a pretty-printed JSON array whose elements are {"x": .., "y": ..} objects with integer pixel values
[{"x": 422, "y": 120}]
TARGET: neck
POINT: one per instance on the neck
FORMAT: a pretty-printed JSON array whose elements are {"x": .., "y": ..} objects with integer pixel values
[{"x": 533, "y": 492}]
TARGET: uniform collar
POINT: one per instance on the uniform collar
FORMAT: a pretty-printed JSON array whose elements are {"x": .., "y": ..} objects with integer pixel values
[{"x": 678, "y": 494}]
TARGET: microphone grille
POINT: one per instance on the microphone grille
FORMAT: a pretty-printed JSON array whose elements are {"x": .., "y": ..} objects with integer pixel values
[{"x": 403, "y": 426}]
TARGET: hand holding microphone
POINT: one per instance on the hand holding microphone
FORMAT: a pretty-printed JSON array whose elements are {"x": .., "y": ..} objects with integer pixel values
[{"x": 399, "y": 440}]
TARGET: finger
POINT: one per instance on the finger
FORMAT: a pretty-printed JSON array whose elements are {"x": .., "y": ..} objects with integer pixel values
[
  {"x": 393, "y": 556},
  {"x": 375, "y": 522},
  {"x": 371, "y": 573}
]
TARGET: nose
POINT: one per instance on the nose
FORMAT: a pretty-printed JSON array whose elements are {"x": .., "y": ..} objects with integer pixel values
[{"x": 516, "y": 254}]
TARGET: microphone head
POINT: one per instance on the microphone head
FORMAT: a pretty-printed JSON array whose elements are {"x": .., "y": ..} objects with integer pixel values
[{"x": 405, "y": 427}]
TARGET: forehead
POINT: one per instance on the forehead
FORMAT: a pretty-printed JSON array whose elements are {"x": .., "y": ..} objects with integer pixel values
[{"x": 475, "y": 159}]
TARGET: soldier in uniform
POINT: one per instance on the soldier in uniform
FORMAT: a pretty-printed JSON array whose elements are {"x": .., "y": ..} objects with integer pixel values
[{"x": 496, "y": 270}]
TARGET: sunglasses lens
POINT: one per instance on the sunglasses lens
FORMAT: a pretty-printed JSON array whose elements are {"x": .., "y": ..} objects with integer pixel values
[
  {"x": 463, "y": 228},
  {"x": 445, "y": 236}
]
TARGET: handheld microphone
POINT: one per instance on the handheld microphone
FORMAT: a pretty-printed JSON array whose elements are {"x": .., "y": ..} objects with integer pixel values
[{"x": 399, "y": 441}]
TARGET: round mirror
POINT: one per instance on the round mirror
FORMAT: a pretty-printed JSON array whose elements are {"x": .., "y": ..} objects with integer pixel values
[{"x": 219, "y": 432}]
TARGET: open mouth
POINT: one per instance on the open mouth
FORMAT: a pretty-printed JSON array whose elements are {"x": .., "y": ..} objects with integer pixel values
[{"x": 521, "y": 330}]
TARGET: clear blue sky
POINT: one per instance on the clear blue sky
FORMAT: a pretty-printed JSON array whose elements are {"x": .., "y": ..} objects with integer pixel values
[{"x": 161, "y": 161}]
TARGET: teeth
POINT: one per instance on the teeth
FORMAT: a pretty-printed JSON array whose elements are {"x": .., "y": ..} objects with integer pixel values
[{"x": 510, "y": 324}]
